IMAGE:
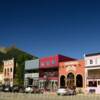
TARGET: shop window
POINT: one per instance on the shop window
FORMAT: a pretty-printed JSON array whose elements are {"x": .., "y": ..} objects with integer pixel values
[
  {"x": 92, "y": 83},
  {"x": 91, "y": 61},
  {"x": 98, "y": 82}
]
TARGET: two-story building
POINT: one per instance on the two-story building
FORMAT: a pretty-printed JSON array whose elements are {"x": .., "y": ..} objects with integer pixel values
[
  {"x": 49, "y": 71},
  {"x": 92, "y": 72},
  {"x": 8, "y": 72},
  {"x": 31, "y": 73},
  {"x": 71, "y": 74},
  {"x": 1, "y": 78}
]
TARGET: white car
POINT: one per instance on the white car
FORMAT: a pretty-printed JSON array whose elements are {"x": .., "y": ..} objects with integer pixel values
[
  {"x": 61, "y": 91},
  {"x": 67, "y": 91},
  {"x": 28, "y": 89}
]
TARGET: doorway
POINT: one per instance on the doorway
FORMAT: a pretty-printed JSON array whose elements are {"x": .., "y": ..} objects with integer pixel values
[
  {"x": 79, "y": 81},
  {"x": 70, "y": 80},
  {"x": 62, "y": 81}
]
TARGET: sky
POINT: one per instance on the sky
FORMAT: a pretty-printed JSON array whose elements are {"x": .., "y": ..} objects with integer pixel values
[{"x": 50, "y": 27}]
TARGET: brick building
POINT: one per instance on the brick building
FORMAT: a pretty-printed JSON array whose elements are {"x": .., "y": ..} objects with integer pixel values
[
  {"x": 71, "y": 73},
  {"x": 48, "y": 71}
]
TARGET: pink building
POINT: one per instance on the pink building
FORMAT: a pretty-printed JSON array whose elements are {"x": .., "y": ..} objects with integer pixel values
[
  {"x": 8, "y": 71},
  {"x": 92, "y": 73}
]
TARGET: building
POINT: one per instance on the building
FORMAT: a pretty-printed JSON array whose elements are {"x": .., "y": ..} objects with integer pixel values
[
  {"x": 48, "y": 71},
  {"x": 13, "y": 68},
  {"x": 31, "y": 77},
  {"x": 1, "y": 78},
  {"x": 8, "y": 72},
  {"x": 92, "y": 72},
  {"x": 71, "y": 73}
]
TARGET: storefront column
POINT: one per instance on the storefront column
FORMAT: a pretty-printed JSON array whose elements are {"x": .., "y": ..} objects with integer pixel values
[
  {"x": 86, "y": 75},
  {"x": 59, "y": 81}
]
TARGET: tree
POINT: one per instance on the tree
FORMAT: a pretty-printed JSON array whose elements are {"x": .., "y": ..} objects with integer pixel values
[{"x": 19, "y": 70}]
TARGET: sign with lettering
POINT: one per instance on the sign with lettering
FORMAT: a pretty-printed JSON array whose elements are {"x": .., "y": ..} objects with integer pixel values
[
  {"x": 31, "y": 75},
  {"x": 71, "y": 68}
]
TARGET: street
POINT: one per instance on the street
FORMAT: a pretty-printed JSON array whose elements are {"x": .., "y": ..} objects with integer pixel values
[{"x": 23, "y": 96}]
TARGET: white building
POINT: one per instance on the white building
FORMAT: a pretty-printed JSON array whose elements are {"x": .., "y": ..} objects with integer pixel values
[
  {"x": 1, "y": 78},
  {"x": 31, "y": 76},
  {"x": 92, "y": 73}
]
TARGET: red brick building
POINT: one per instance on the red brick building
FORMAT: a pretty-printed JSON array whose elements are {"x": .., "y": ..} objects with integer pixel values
[
  {"x": 49, "y": 71},
  {"x": 71, "y": 73}
]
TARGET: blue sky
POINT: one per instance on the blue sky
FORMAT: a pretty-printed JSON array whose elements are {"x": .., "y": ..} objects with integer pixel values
[{"x": 49, "y": 27}]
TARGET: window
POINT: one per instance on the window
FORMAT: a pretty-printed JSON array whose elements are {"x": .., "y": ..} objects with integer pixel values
[
  {"x": 91, "y": 61},
  {"x": 92, "y": 83},
  {"x": 5, "y": 72},
  {"x": 98, "y": 82},
  {"x": 48, "y": 63},
  {"x": 10, "y": 69},
  {"x": 96, "y": 61},
  {"x": 42, "y": 64},
  {"x": 53, "y": 62}
]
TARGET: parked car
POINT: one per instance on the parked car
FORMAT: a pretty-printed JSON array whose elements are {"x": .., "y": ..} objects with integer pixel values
[
  {"x": 29, "y": 89},
  {"x": 37, "y": 90},
  {"x": 61, "y": 91},
  {"x": 15, "y": 88},
  {"x": 1, "y": 88},
  {"x": 64, "y": 91},
  {"x": 7, "y": 88},
  {"x": 21, "y": 89}
]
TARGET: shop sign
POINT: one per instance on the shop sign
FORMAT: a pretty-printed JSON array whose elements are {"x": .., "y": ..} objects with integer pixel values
[{"x": 71, "y": 68}]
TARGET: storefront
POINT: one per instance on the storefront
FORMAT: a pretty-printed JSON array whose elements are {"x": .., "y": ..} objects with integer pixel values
[
  {"x": 49, "y": 71},
  {"x": 50, "y": 84},
  {"x": 48, "y": 78},
  {"x": 92, "y": 73},
  {"x": 31, "y": 77},
  {"x": 71, "y": 74}
]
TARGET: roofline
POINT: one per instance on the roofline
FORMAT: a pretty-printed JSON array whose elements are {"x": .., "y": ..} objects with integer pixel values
[
  {"x": 92, "y": 54},
  {"x": 58, "y": 55}
]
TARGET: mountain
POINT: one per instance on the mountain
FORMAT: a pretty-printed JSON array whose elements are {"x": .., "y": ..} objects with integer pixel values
[{"x": 7, "y": 53}]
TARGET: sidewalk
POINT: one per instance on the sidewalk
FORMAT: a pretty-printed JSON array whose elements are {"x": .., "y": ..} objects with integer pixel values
[{"x": 50, "y": 93}]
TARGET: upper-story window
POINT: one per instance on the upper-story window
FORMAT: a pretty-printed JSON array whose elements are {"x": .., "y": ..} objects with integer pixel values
[
  {"x": 48, "y": 62},
  {"x": 91, "y": 61},
  {"x": 96, "y": 61},
  {"x": 53, "y": 61},
  {"x": 42, "y": 64},
  {"x": 10, "y": 69},
  {"x": 5, "y": 72}
]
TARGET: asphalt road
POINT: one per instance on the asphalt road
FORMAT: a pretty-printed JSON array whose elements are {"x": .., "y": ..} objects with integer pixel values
[{"x": 23, "y": 96}]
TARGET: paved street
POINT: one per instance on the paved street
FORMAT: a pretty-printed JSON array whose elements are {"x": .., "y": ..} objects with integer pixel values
[{"x": 20, "y": 96}]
